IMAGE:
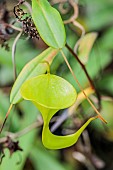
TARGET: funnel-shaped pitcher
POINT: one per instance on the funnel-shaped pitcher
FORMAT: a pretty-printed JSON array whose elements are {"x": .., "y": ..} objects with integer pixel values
[{"x": 51, "y": 93}]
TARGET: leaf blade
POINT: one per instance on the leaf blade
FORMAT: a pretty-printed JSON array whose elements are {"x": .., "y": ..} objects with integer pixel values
[
  {"x": 49, "y": 23},
  {"x": 33, "y": 68},
  {"x": 85, "y": 46}
]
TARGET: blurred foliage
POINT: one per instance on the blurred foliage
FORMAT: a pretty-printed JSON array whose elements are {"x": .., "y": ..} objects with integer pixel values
[{"x": 95, "y": 16}]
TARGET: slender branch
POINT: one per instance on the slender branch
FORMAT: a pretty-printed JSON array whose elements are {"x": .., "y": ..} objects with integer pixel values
[
  {"x": 53, "y": 2},
  {"x": 89, "y": 78},
  {"x": 13, "y": 53},
  {"x": 13, "y": 27},
  {"x": 76, "y": 12},
  {"x": 28, "y": 6},
  {"x": 28, "y": 129},
  {"x": 63, "y": 10},
  {"x": 81, "y": 157},
  {"x": 7, "y": 114},
  {"x": 77, "y": 24},
  {"x": 75, "y": 78},
  {"x": 73, "y": 18}
]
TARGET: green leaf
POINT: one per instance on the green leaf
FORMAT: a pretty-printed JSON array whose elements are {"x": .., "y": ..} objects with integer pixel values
[
  {"x": 51, "y": 93},
  {"x": 41, "y": 157},
  {"x": 4, "y": 104},
  {"x": 107, "y": 39},
  {"x": 106, "y": 88},
  {"x": 99, "y": 14},
  {"x": 6, "y": 76},
  {"x": 28, "y": 52},
  {"x": 48, "y": 23},
  {"x": 33, "y": 68},
  {"x": 26, "y": 141},
  {"x": 85, "y": 46}
]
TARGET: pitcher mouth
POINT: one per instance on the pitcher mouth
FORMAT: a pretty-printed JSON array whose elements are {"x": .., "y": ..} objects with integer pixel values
[{"x": 49, "y": 91}]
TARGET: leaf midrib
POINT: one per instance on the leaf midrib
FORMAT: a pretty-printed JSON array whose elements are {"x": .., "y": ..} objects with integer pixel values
[{"x": 44, "y": 14}]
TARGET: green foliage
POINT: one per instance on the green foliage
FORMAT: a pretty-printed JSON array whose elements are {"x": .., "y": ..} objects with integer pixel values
[
  {"x": 106, "y": 88},
  {"x": 96, "y": 16},
  {"x": 85, "y": 46},
  {"x": 45, "y": 158},
  {"x": 49, "y": 23},
  {"x": 33, "y": 68},
  {"x": 18, "y": 159},
  {"x": 99, "y": 14}
]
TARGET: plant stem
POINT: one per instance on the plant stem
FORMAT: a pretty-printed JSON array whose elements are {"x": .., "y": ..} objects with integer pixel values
[
  {"x": 99, "y": 115},
  {"x": 89, "y": 78},
  {"x": 13, "y": 53},
  {"x": 7, "y": 114},
  {"x": 22, "y": 132},
  {"x": 48, "y": 65},
  {"x": 14, "y": 27}
]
